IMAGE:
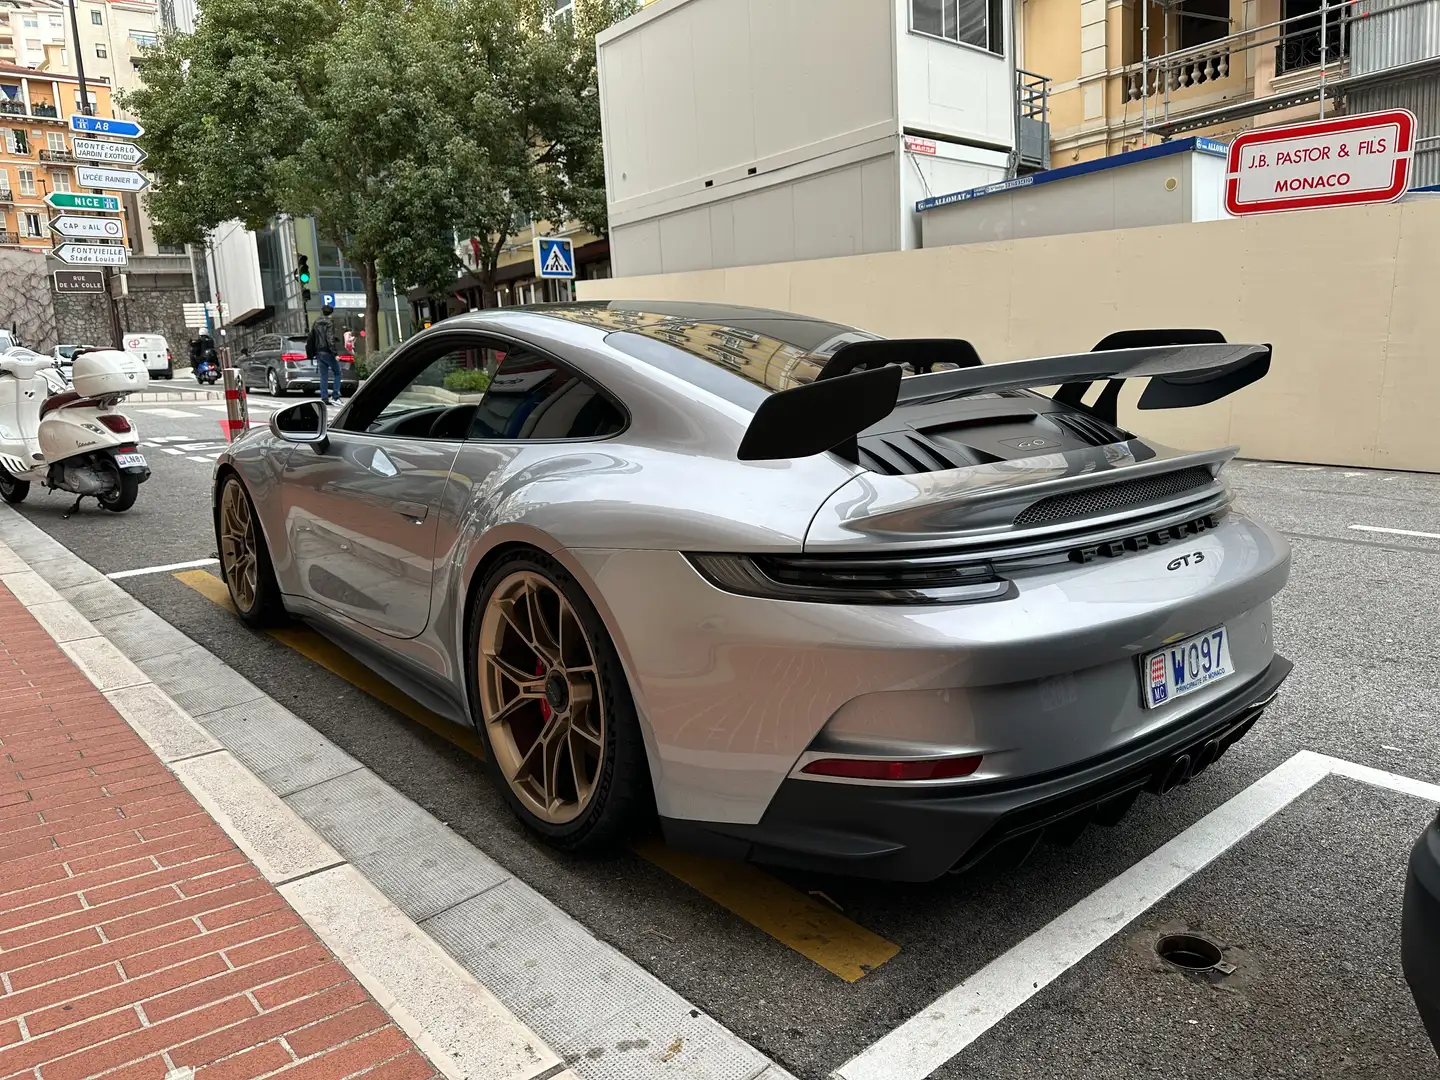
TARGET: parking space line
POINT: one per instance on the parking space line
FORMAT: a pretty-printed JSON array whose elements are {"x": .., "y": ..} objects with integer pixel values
[
  {"x": 817, "y": 932},
  {"x": 169, "y": 568},
  {"x": 812, "y": 929},
  {"x": 1395, "y": 532},
  {"x": 955, "y": 1020}
]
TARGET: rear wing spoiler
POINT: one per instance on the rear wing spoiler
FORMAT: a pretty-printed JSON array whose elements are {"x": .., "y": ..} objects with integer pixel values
[{"x": 1185, "y": 368}]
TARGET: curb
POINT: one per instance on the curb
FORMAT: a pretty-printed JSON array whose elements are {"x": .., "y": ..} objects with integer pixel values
[
  {"x": 599, "y": 1009},
  {"x": 444, "y": 1010}
]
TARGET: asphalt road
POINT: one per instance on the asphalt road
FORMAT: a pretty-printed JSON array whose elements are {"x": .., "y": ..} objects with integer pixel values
[{"x": 1311, "y": 900}]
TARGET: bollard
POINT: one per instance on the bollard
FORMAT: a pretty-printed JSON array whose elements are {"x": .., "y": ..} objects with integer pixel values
[{"x": 237, "y": 416}]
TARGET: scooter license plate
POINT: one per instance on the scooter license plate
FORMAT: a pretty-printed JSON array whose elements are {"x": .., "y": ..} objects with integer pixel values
[{"x": 130, "y": 461}]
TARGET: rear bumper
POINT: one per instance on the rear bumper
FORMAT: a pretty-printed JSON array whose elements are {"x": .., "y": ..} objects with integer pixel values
[
  {"x": 1420, "y": 932},
  {"x": 920, "y": 834}
]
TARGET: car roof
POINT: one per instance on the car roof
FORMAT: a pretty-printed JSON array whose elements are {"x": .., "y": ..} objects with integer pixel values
[{"x": 771, "y": 350}]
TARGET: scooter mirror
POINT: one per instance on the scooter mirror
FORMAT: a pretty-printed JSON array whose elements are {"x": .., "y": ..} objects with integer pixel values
[{"x": 306, "y": 422}]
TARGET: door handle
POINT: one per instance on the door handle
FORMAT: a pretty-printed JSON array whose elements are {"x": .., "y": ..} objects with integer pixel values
[{"x": 416, "y": 512}]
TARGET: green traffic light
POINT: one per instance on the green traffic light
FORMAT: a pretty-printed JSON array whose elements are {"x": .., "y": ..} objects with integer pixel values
[{"x": 304, "y": 277}]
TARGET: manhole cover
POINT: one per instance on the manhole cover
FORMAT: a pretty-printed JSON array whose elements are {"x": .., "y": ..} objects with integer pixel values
[{"x": 1192, "y": 952}]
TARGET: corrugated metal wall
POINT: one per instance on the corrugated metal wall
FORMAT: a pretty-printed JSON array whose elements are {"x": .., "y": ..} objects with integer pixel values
[
  {"x": 1385, "y": 34},
  {"x": 1422, "y": 97}
]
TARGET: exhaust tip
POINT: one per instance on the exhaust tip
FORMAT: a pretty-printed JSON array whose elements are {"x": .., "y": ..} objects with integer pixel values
[
  {"x": 1205, "y": 757},
  {"x": 1174, "y": 775}
]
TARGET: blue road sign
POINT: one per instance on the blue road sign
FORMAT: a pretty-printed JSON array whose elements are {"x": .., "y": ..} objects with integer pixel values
[
  {"x": 327, "y": 299},
  {"x": 104, "y": 125},
  {"x": 554, "y": 257}
]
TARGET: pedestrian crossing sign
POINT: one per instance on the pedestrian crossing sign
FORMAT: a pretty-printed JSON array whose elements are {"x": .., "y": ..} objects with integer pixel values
[{"x": 554, "y": 258}]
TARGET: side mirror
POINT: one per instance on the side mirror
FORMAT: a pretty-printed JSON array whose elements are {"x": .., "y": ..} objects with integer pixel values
[{"x": 306, "y": 422}]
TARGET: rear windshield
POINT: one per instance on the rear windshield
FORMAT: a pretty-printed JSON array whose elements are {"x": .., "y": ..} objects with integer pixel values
[{"x": 740, "y": 354}]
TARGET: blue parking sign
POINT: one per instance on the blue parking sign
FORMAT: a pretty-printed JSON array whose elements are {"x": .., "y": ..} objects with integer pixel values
[{"x": 554, "y": 257}]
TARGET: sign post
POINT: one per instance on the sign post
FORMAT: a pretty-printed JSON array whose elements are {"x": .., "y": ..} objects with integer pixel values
[
  {"x": 99, "y": 176},
  {"x": 67, "y": 200},
  {"x": 98, "y": 228},
  {"x": 554, "y": 258},
  {"x": 92, "y": 254},
  {"x": 107, "y": 151},
  {"x": 1343, "y": 161},
  {"x": 104, "y": 125},
  {"x": 79, "y": 281}
]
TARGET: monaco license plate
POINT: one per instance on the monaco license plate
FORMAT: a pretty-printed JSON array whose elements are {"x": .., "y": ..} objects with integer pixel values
[
  {"x": 130, "y": 461},
  {"x": 1186, "y": 666}
]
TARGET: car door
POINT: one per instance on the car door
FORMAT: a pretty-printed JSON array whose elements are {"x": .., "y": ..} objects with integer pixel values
[
  {"x": 253, "y": 361},
  {"x": 362, "y": 509}
]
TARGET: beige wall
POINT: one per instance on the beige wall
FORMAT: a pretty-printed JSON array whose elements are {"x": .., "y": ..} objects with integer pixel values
[{"x": 1347, "y": 297}]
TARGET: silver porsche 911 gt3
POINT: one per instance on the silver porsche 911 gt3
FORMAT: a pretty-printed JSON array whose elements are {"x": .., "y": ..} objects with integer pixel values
[{"x": 821, "y": 599}]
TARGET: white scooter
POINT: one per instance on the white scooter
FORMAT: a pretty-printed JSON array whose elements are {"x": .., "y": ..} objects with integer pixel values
[{"x": 70, "y": 440}]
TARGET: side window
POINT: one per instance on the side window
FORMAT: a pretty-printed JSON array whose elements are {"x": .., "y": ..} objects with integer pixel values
[
  {"x": 534, "y": 397},
  {"x": 434, "y": 399}
]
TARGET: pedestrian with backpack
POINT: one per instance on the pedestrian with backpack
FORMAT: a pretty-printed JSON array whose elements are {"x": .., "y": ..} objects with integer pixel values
[{"x": 320, "y": 346}]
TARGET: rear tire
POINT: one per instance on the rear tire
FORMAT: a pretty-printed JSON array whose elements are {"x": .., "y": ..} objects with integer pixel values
[
  {"x": 588, "y": 724},
  {"x": 13, "y": 491},
  {"x": 123, "y": 497},
  {"x": 272, "y": 384},
  {"x": 245, "y": 559}
]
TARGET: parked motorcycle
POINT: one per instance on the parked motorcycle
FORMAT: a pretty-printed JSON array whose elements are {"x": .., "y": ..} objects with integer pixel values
[
  {"x": 70, "y": 440},
  {"x": 207, "y": 371}
]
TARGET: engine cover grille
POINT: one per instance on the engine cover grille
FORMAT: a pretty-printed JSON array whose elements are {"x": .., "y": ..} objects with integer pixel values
[{"x": 1101, "y": 500}]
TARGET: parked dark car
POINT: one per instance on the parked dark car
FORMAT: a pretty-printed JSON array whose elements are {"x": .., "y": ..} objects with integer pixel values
[
  {"x": 1420, "y": 935},
  {"x": 278, "y": 364}
]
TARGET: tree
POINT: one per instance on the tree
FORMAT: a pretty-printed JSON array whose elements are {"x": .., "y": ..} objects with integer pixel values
[
  {"x": 223, "y": 108},
  {"x": 397, "y": 127}
]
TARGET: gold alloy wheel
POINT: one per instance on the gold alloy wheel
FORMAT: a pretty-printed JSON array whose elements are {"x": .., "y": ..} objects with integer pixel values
[
  {"x": 540, "y": 697},
  {"x": 237, "y": 546}
]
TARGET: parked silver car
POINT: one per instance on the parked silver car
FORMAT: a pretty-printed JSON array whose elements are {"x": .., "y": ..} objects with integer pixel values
[{"x": 821, "y": 599}]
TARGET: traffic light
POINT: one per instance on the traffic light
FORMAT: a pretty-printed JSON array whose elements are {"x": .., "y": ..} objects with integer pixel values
[{"x": 302, "y": 275}]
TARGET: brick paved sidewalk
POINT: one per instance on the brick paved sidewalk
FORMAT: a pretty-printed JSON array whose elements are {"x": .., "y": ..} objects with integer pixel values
[{"x": 135, "y": 938}]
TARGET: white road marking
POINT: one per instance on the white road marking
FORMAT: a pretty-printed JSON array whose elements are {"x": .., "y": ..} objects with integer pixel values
[
  {"x": 173, "y": 414},
  {"x": 1396, "y": 532},
  {"x": 937, "y": 1033},
  {"x": 171, "y": 450},
  {"x": 164, "y": 438},
  {"x": 202, "y": 460},
  {"x": 161, "y": 569}
]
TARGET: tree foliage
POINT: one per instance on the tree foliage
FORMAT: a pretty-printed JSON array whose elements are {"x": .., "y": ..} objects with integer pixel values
[{"x": 399, "y": 126}]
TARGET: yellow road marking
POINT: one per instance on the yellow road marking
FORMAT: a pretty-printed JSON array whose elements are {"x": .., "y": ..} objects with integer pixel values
[
  {"x": 323, "y": 651},
  {"x": 814, "y": 930}
]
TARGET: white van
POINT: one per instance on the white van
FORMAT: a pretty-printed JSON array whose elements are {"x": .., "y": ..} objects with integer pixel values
[{"x": 155, "y": 351}]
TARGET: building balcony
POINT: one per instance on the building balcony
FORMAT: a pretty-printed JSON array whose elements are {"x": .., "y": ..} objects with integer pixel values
[
  {"x": 63, "y": 157},
  {"x": 7, "y": 197},
  {"x": 1178, "y": 71},
  {"x": 44, "y": 112},
  {"x": 12, "y": 108},
  {"x": 8, "y": 238}
]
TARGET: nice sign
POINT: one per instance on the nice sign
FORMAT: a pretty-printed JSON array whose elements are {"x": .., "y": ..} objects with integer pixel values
[{"x": 1340, "y": 162}]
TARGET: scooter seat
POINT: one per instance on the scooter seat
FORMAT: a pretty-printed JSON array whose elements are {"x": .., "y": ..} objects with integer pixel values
[{"x": 59, "y": 401}]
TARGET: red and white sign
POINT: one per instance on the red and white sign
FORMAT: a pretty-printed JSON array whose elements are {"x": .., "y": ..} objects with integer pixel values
[
  {"x": 917, "y": 145},
  {"x": 1340, "y": 162}
]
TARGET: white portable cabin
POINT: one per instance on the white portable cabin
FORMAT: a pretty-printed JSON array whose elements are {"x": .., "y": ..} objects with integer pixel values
[{"x": 740, "y": 132}]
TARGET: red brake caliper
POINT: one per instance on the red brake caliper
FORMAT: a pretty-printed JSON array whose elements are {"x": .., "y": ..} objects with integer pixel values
[{"x": 544, "y": 704}]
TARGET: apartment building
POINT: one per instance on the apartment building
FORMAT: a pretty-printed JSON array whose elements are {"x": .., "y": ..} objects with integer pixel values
[
  {"x": 35, "y": 151},
  {"x": 113, "y": 36},
  {"x": 1125, "y": 74}
]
